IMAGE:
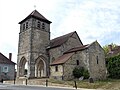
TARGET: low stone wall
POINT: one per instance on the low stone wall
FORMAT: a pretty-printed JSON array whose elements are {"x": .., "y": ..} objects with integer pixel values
[
  {"x": 35, "y": 82},
  {"x": 28, "y": 81}
]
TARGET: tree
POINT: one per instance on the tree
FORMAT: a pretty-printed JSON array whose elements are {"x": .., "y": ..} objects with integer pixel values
[
  {"x": 106, "y": 48},
  {"x": 113, "y": 67}
]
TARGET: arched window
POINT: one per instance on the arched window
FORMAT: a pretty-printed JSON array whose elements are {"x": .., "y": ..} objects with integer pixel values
[
  {"x": 97, "y": 59},
  {"x": 43, "y": 25},
  {"x": 56, "y": 68},
  {"x": 38, "y": 24},
  {"x": 26, "y": 25},
  {"x": 77, "y": 61},
  {"x": 23, "y": 26}
]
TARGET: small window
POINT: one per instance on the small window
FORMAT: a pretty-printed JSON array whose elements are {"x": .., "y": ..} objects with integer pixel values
[
  {"x": 38, "y": 24},
  {"x": 23, "y": 26},
  {"x": 26, "y": 25},
  {"x": 77, "y": 61},
  {"x": 56, "y": 68},
  {"x": 97, "y": 59},
  {"x": 43, "y": 26},
  {"x": 5, "y": 69},
  {"x": 53, "y": 58}
]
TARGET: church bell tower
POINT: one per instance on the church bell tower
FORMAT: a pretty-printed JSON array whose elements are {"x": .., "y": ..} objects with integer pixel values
[{"x": 34, "y": 37}]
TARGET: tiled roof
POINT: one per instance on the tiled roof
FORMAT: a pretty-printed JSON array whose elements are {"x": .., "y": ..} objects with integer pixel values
[
  {"x": 5, "y": 60},
  {"x": 77, "y": 49},
  {"x": 37, "y": 15},
  {"x": 62, "y": 59},
  {"x": 60, "y": 40},
  {"x": 114, "y": 51}
]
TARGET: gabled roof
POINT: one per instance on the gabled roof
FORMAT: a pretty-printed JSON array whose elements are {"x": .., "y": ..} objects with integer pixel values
[
  {"x": 62, "y": 59},
  {"x": 37, "y": 15},
  {"x": 83, "y": 47},
  {"x": 60, "y": 40},
  {"x": 78, "y": 49},
  {"x": 5, "y": 60}
]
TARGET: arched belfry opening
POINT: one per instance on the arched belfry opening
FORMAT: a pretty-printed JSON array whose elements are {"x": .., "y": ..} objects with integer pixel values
[
  {"x": 40, "y": 67},
  {"x": 23, "y": 67}
]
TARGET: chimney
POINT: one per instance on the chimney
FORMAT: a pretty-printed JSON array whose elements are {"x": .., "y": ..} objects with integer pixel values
[
  {"x": 10, "y": 56},
  {"x": 110, "y": 48}
]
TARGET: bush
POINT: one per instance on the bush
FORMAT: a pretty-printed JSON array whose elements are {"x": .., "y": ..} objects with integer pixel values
[
  {"x": 86, "y": 74},
  {"x": 80, "y": 71},
  {"x": 113, "y": 67}
]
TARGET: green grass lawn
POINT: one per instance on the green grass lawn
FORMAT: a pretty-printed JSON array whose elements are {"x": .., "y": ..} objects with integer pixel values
[{"x": 110, "y": 84}]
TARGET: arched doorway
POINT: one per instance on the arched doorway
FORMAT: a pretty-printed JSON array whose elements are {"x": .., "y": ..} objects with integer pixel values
[
  {"x": 23, "y": 67},
  {"x": 40, "y": 67}
]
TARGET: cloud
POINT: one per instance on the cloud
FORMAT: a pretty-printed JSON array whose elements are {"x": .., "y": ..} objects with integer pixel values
[{"x": 92, "y": 19}]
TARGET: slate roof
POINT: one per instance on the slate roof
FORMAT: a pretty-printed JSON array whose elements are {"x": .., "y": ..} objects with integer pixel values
[
  {"x": 62, "y": 59},
  {"x": 5, "y": 60},
  {"x": 60, "y": 40},
  {"x": 37, "y": 15},
  {"x": 78, "y": 49}
]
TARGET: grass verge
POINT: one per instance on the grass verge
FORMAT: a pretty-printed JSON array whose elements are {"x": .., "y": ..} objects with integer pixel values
[{"x": 110, "y": 84}]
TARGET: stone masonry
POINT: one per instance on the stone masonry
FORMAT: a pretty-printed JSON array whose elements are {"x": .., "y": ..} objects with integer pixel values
[{"x": 53, "y": 58}]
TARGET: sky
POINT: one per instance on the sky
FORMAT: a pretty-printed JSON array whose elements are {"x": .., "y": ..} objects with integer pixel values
[{"x": 92, "y": 19}]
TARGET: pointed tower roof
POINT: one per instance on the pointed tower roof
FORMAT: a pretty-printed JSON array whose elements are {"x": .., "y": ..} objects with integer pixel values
[{"x": 37, "y": 15}]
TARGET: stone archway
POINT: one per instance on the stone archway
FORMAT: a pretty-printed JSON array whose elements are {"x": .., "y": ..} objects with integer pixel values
[
  {"x": 40, "y": 67},
  {"x": 22, "y": 64}
]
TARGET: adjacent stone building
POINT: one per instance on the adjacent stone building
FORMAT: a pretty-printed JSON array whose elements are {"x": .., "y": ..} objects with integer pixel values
[
  {"x": 89, "y": 56},
  {"x": 7, "y": 68},
  {"x": 58, "y": 57}
]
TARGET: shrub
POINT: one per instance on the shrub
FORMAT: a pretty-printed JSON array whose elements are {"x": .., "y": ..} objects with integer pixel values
[
  {"x": 80, "y": 71},
  {"x": 113, "y": 67},
  {"x": 86, "y": 74}
]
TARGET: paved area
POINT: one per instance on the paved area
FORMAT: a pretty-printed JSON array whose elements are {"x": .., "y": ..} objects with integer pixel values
[{"x": 35, "y": 87}]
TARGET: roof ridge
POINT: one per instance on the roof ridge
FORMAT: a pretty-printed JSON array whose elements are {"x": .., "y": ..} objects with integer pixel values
[
  {"x": 35, "y": 11},
  {"x": 74, "y": 49},
  {"x": 6, "y": 58},
  {"x": 60, "y": 40},
  {"x": 36, "y": 15},
  {"x": 64, "y": 35}
]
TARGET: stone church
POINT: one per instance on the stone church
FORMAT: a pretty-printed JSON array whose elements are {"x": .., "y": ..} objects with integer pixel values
[{"x": 58, "y": 57}]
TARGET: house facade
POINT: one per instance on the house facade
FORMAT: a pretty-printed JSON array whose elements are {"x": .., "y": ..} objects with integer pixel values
[
  {"x": 7, "y": 68},
  {"x": 51, "y": 58}
]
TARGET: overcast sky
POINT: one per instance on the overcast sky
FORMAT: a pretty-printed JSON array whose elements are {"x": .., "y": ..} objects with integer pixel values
[{"x": 92, "y": 19}]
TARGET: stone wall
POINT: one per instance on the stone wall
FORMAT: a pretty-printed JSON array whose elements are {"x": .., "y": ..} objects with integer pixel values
[
  {"x": 69, "y": 66},
  {"x": 56, "y": 74},
  {"x": 72, "y": 42},
  {"x": 97, "y": 62},
  {"x": 32, "y": 44},
  {"x": 87, "y": 59}
]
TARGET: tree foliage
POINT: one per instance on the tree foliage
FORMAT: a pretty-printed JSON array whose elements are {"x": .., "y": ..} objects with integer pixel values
[
  {"x": 113, "y": 67},
  {"x": 106, "y": 47},
  {"x": 80, "y": 71}
]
